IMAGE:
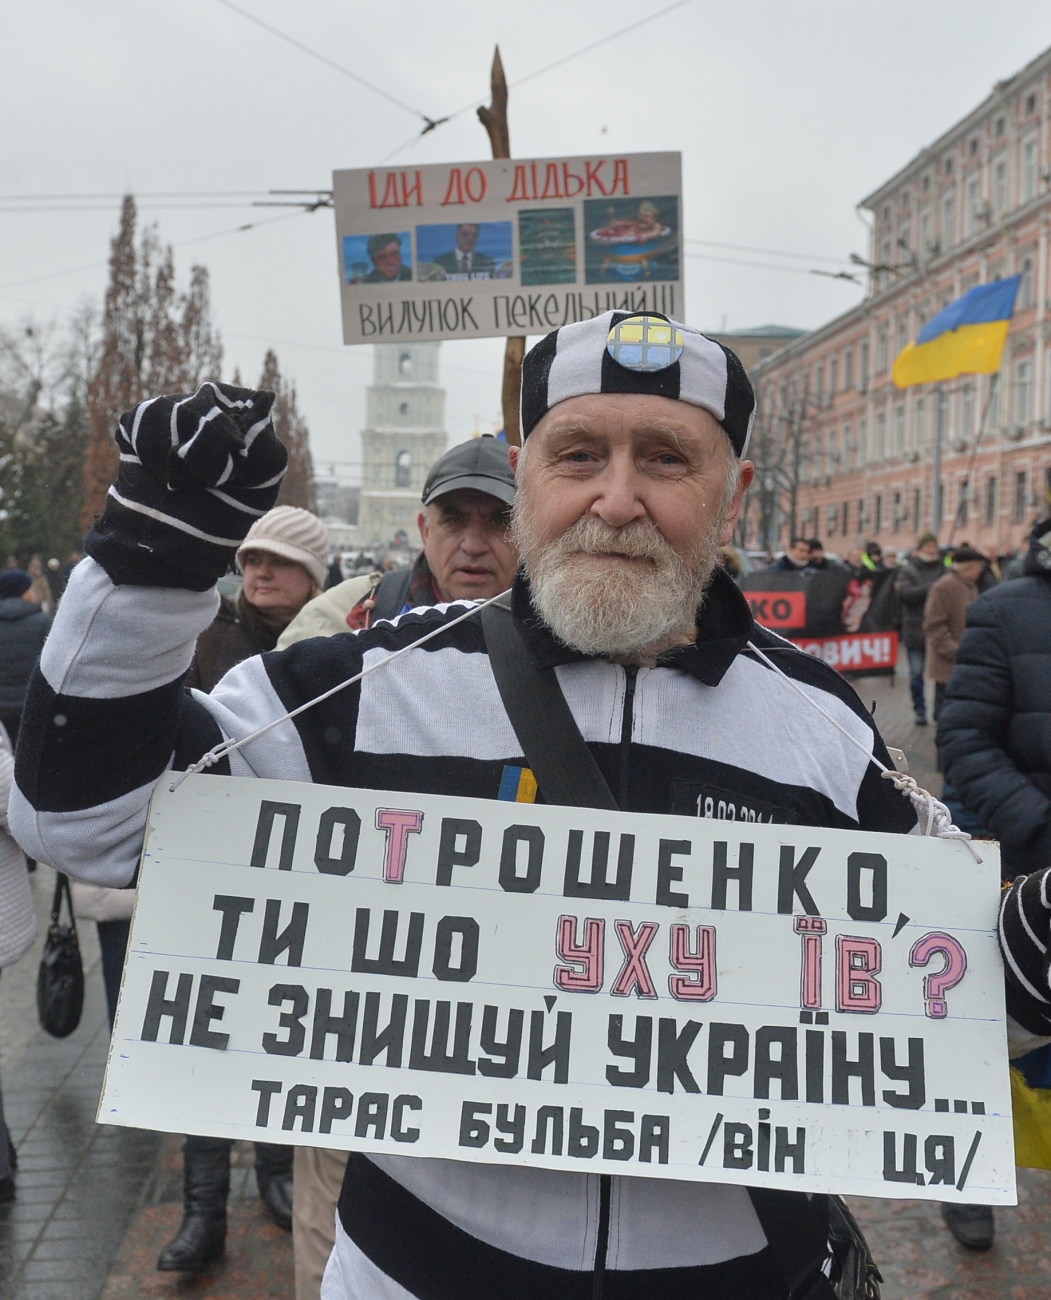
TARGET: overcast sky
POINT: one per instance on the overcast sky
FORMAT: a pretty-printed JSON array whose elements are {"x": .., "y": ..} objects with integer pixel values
[{"x": 787, "y": 113}]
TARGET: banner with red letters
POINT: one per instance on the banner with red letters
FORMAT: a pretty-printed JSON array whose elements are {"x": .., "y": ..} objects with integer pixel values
[{"x": 848, "y": 617}]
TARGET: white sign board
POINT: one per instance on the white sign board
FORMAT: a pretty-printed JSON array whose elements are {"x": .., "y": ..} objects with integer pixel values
[
  {"x": 670, "y": 997},
  {"x": 513, "y": 246}
]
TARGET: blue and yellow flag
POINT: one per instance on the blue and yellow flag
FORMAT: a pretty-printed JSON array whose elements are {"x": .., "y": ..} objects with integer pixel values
[{"x": 966, "y": 338}]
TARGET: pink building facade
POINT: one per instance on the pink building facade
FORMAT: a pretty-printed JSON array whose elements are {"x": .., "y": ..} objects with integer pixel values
[{"x": 841, "y": 452}]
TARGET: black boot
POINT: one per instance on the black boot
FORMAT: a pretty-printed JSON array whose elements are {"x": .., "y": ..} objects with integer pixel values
[
  {"x": 206, "y": 1185},
  {"x": 273, "y": 1173}
]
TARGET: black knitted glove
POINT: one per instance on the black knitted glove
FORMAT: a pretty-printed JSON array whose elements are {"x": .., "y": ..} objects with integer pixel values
[
  {"x": 195, "y": 473},
  {"x": 1025, "y": 940}
]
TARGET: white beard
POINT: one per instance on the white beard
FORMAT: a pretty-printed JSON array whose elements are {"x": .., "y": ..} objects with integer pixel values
[{"x": 604, "y": 606}]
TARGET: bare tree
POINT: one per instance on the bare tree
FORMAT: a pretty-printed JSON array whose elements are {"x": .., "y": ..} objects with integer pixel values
[
  {"x": 780, "y": 446},
  {"x": 290, "y": 426}
]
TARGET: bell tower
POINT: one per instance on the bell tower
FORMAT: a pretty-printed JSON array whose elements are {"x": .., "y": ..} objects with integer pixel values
[{"x": 403, "y": 437}]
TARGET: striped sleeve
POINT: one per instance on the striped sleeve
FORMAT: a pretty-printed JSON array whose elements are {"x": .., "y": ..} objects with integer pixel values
[
  {"x": 1025, "y": 935},
  {"x": 107, "y": 713}
]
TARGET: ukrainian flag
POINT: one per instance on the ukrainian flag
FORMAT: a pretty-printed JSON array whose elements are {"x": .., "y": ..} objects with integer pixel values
[{"x": 966, "y": 338}]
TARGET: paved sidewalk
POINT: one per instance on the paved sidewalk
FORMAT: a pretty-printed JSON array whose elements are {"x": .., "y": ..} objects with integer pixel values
[{"x": 96, "y": 1204}]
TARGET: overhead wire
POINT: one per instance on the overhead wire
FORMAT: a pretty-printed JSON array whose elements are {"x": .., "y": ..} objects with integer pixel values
[{"x": 323, "y": 58}]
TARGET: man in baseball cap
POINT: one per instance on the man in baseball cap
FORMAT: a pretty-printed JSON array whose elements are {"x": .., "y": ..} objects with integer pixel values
[{"x": 467, "y": 550}]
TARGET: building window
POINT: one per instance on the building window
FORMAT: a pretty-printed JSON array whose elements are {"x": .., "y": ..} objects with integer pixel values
[
  {"x": 403, "y": 469},
  {"x": 990, "y": 499},
  {"x": 1023, "y": 391},
  {"x": 881, "y": 349},
  {"x": 848, "y": 367},
  {"x": 974, "y": 206},
  {"x": 972, "y": 147},
  {"x": 948, "y": 220},
  {"x": 877, "y": 514},
  {"x": 832, "y": 463},
  {"x": 898, "y": 518},
  {"x": 819, "y": 380},
  {"x": 405, "y": 364},
  {"x": 819, "y": 444},
  {"x": 403, "y": 408},
  {"x": 833, "y": 375},
  {"x": 879, "y": 449},
  {"x": 846, "y": 518},
  {"x": 967, "y": 408},
  {"x": 863, "y": 373},
  {"x": 1029, "y": 170},
  {"x": 963, "y": 505},
  {"x": 1030, "y": 103},
  {"x": 999, "y": 127},
  {"x": 920, "y": 425},
  {"x": 863, "y": 444},
  {"x": 926, "y": 234},
  {"x": 899, "y": 431},
  {"x": 831, "y": 516},
  {"x": 903, "y": 334},
  {"x": 883, "y": 272},
  {"x": 948, "y": 165},
  {"x": 1021, "y": 501},
  {"x": 1000, "y": 186},
  {"x": 917, "y": 508},
  {"x": 994, "y": 402},
  {"x": 1025, "y": 289}
]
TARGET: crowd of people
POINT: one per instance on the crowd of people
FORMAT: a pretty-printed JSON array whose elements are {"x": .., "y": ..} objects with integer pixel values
[{"x": 608, "y": 526}]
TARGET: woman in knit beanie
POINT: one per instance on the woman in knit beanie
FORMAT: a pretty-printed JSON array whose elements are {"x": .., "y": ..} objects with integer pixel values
[{"x": 283, "y": 560}]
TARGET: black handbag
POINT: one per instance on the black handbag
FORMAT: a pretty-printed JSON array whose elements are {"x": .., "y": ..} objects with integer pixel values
[
  {"x": 60, "y": 979},
  {"x": 566, "y": 773}
]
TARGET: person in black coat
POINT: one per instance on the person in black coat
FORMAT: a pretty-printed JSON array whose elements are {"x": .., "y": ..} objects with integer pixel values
[
  {"x": 23, "y": 629},
  {"x": 912, "y": 583},
  {"x": 994, "y": 737}
]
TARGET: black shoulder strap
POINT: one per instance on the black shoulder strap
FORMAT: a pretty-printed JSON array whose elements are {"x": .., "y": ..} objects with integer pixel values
[
  {"x": 391, "y": 594},
  {"x": 564, "y": 767}
]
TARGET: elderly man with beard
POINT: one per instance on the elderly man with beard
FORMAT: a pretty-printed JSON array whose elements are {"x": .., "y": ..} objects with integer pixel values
[{"x": 631, "y": 475}]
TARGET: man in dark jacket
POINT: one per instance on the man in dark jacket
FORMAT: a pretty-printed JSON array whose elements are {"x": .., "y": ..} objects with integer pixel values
[
  {"x": 912, "y": 585},
  {"x": 795, "y": 559},
  {"x": 23, "y": 629},
  {"x": 995, "y": 735},
  {"x": 994, "y": 739}
]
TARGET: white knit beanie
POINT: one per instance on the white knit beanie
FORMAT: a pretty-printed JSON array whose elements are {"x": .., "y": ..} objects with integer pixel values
[{"x": 292, "y": 533}]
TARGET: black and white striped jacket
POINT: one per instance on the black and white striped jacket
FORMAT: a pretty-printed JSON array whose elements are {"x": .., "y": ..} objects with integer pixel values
[{"x": 712, "y": 730}]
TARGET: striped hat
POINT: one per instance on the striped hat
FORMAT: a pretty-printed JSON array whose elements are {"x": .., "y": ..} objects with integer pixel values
[{"x": 623, "y": 353}]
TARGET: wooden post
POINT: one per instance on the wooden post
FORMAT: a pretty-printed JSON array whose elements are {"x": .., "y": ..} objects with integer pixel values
[{"x": 494, "y": 119}]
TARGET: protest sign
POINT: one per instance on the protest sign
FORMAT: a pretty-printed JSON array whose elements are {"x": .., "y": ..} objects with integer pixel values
[
  {"x": 663, "y": 996},
  {"x": 507, "y": 246}
]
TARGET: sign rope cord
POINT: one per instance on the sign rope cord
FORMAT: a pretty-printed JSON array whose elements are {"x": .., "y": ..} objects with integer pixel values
[
  {"x": 228, "y": 746},
  {"x": 938, "y": 820},
  {"x": 935, "y": 817}
]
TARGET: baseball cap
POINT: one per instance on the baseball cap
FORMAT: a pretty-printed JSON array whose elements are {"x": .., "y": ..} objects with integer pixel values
[{"x": 481, "y": 463}]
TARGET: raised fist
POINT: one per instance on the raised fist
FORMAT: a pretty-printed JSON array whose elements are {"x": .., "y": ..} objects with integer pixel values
[{"x": 195, "y": 473}]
